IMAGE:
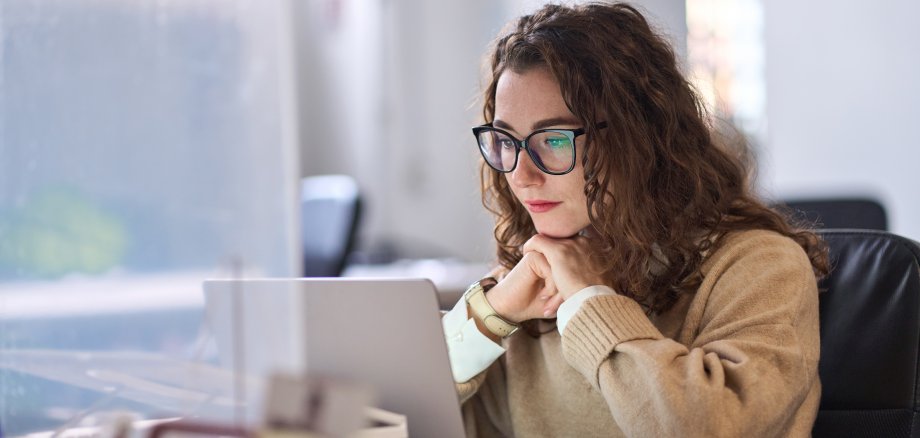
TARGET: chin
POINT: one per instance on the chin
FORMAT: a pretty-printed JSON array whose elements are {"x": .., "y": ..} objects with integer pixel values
[{"x": 557, "y": 232}]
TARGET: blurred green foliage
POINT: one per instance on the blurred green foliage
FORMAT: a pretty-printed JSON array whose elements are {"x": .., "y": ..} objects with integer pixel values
[{"x": 59, "y": 231}]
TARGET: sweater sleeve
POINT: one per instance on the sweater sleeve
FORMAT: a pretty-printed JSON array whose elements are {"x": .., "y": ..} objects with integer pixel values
[{"x": 751, "y": 362}]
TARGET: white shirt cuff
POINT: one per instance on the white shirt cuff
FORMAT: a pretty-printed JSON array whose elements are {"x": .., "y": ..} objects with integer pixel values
[
  {"x": 569, "y": 307},
  {"x": 470, "y": 351}
]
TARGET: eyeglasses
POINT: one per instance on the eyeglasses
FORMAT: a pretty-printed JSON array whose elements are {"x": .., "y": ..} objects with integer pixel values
[{"x": 552, "y": 150}]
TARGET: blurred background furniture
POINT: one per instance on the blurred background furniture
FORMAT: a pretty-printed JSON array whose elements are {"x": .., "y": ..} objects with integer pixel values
[
  {"x": 870, "y": 336},
  {"x": 862, "y": 213},
  {"x": 330, "y": 213}
]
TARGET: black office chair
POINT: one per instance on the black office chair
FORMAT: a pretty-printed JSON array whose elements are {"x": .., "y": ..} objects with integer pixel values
[
  {"x": 862, "y": 213},
  {"x": 870, "y": 336},
  {"x": 330, "y": 213}
]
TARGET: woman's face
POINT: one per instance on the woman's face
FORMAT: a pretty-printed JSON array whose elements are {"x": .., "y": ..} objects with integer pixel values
[{"x": 524, "y": 103}]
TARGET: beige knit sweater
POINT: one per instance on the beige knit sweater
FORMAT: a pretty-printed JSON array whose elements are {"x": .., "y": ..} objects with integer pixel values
[{"x": 739, "y": 359}]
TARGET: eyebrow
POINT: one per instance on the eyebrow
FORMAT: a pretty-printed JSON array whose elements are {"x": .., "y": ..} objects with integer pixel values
[{"x": 540, "y": 124}]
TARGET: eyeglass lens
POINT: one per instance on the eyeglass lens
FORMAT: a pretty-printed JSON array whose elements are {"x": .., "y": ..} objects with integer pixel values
[{"x": 553, "y": 151}]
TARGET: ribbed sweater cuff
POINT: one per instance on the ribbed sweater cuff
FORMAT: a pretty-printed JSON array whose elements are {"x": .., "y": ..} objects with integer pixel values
[{"x": 602, "y": 323}]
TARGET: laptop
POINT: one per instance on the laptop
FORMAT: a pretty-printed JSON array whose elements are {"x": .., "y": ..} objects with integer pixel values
[{"x": 386, "y": 333}]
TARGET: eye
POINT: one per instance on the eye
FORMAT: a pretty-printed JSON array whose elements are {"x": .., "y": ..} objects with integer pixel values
[
  {"x": 506, "y": 143},
  {"x": 560, "y": 142}
]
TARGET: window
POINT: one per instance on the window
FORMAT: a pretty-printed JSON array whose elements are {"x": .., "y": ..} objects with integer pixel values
[{"x": 146, "y": 145}]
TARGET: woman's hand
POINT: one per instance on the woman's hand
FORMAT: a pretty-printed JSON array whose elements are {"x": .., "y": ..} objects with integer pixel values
[
  {"x": 570, "y": 265},
  {"x": 523, "y": 293}
]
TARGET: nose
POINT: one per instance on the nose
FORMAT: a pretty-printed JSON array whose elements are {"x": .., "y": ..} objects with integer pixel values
[{"x": 526, "y": 173}]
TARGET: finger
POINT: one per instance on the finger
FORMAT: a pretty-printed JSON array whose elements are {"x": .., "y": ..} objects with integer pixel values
[
  {"x": 549, "y": 287},
  {"x": 540, "y": 265},
  {"x": 553, "y": 249},
  {"x": 538, "y": 243},
  {"x": 552, "y": 305}
]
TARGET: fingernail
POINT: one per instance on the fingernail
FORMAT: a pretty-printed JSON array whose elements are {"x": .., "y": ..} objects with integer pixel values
[{"x": 547, "y": 312}]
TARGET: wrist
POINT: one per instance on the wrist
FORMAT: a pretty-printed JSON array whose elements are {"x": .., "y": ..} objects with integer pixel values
[
  {"x": 482, "y": 327},
  {"x": 484, "y": 313},
  {"x": 494, "y": 298}
]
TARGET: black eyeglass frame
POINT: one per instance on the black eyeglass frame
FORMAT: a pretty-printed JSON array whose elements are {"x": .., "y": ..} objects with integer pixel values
[{"x": 522, "y": 144}]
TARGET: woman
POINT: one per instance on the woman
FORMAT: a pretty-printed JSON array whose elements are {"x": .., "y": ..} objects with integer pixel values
[{"x": 656, "y": 295}]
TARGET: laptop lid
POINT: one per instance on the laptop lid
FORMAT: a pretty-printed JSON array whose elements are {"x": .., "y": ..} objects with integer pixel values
[{"x": 383, "y": 332}]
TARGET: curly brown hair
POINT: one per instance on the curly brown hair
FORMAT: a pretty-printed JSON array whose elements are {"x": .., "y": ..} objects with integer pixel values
[{"x": 662, "y": 190}]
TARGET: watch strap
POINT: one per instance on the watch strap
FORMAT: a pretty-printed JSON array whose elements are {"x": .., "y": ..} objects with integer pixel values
[{"x": 476, "y": 298}]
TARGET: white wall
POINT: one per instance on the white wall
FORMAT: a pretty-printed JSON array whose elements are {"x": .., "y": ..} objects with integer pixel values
[
  {"x": 389, "y": 96},
  {"x": 843, "y": 100},
  {"x": 388, "y": 91}
]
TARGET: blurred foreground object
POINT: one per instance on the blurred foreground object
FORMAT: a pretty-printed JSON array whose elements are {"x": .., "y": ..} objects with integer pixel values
[{"x": 321, "y": 405}]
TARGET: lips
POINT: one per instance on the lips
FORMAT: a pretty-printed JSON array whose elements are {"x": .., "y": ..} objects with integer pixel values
[{"x": 540, "y": 206}]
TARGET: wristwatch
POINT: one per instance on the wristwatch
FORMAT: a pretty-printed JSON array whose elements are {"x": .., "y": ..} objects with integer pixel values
[{"x": 475, "y": 297}]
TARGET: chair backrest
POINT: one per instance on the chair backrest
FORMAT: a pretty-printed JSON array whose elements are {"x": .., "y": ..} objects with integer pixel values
[
  {"x": 870, "y": 335},
  {"x": 862, "y": 213},
  {"x": 330, "y": 212}
]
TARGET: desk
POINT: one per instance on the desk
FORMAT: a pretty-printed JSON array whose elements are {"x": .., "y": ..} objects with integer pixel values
[{"x": 146, "y": 332}]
